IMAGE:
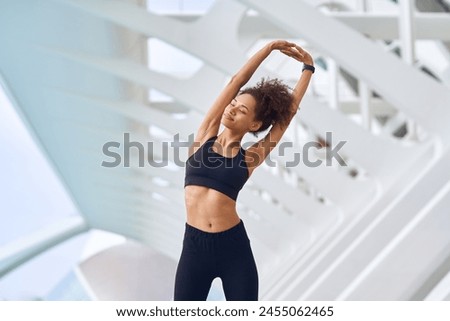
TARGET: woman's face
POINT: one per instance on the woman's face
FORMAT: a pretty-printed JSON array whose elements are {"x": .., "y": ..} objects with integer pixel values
[{"x": 240, "y": 114}]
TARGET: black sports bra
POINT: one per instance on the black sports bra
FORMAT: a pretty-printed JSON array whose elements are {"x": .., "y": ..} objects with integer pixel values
[{"x": 224, "y": 174}]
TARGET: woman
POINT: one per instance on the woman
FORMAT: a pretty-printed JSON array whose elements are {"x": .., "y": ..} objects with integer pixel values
[{"x": 215, "y": 241}]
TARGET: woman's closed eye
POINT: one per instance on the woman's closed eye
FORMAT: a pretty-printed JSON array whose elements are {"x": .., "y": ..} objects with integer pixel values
[{"x": 234, "y": 104}]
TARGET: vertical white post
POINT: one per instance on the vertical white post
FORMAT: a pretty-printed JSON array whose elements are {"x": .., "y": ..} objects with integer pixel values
[
  {"x": 362, "y": 5},
  {"x": 333, "y": 84},
  {"x": 363, "y": 89},
  {"x": 364, "y": 100},
  {"x": 407, "y": 40},
  {"x": 406, "y": 28},
  {"x": 296, "y": 132}
]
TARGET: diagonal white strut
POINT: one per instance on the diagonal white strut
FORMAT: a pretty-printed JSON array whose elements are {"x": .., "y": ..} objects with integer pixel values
[{"x": 386, "y": 74}]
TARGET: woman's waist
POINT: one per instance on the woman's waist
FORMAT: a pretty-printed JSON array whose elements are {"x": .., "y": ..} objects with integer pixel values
[
  {"x": 212, "y": 223},
  {"x": 208, "y": 211}
]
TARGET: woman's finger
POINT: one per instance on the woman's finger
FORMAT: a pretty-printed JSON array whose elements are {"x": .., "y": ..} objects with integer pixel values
[
  {"x": 299, "y": 48},
  {"x": 286, "y": 52},
  {"x": 294, "y": 53},
  {"x": 289, "y": 44},
  {"x": 303, "y": 51},
  {"x": 297, "y": 55}
]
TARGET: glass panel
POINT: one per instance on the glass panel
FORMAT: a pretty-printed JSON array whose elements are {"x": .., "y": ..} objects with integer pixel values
[{"x": 31, "y": 195}]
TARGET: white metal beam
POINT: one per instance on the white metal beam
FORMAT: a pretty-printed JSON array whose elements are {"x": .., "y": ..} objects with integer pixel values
[{"x": 15, "y": 253}]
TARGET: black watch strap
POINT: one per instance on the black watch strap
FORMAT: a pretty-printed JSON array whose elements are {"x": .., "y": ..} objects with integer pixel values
[{"x": 308, "y": 67}]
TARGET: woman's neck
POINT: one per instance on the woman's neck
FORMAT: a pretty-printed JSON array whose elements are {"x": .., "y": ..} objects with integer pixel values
[{"x": 229, "y": 140}]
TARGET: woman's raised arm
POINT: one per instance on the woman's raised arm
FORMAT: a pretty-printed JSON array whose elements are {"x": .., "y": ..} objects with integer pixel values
[
  {"x": 211, "y": 122},
  {"x": 264, "y": 146},
  {"x": 301, "y": 55}
]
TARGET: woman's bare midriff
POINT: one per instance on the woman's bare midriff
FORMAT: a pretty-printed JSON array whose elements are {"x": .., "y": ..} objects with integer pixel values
[{"x": 209, "y": 210}]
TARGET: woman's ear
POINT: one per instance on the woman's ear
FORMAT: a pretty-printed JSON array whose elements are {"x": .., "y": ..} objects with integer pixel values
[{"x": 256, "y": 125}]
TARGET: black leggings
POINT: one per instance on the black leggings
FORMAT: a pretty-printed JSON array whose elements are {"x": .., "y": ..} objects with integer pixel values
[{"x": 205, "y": 256}]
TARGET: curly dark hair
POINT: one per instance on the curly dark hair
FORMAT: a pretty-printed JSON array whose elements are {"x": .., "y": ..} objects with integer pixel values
[{"x": 273, "y": 102}]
